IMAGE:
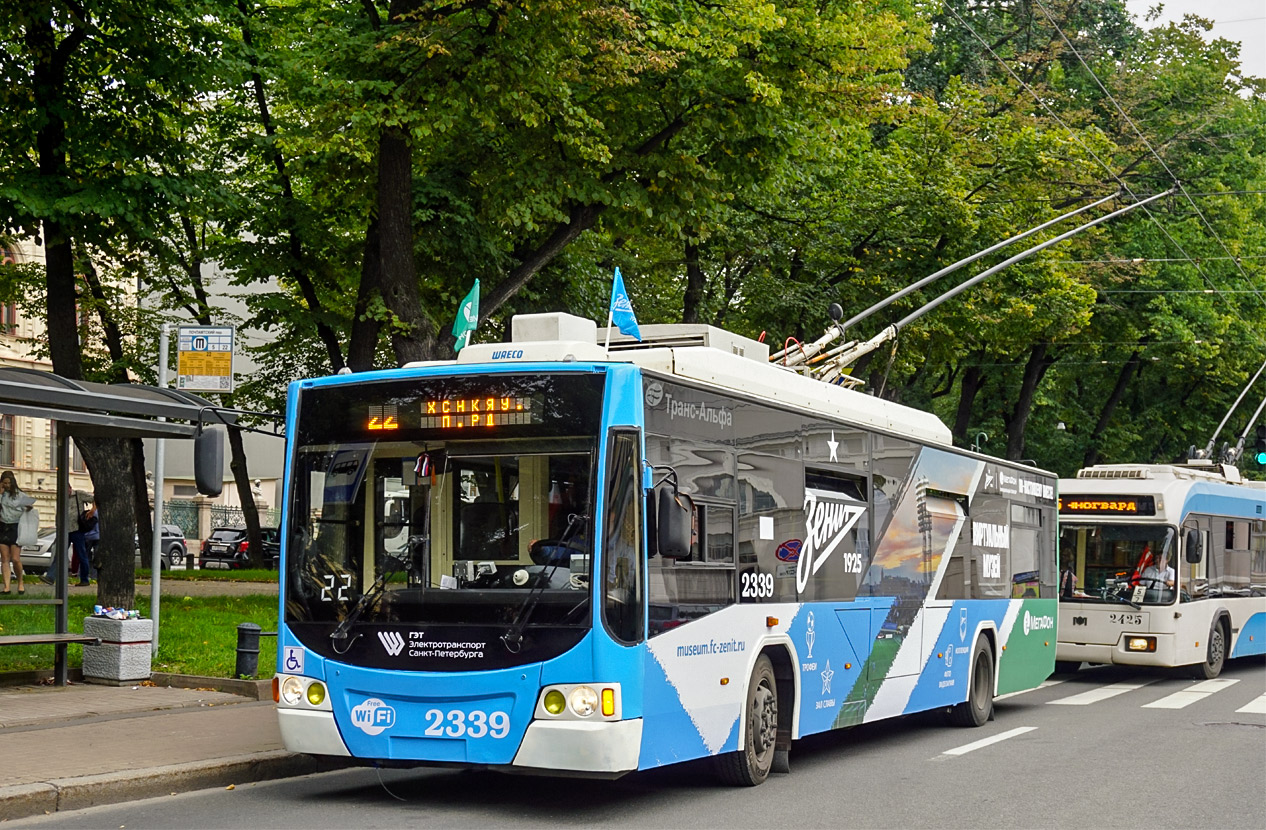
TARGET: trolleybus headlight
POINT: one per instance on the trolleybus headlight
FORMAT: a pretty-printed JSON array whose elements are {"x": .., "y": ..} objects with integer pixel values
[
  {"x": 316, "y": 693},
  {"x": 1140, "y": 644},
  {"x": 291, "y": 690},
  {"x": 554, "y": 702},
  {"x": 584, "y": 701}
]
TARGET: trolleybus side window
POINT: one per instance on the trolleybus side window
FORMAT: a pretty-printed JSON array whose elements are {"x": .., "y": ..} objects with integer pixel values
[
  {"x": 836, "y": 545},
  {"x": 622, "y": 535}
]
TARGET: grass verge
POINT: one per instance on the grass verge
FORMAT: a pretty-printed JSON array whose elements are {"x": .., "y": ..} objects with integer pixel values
[
  {"x": 198, "y": 635},
  {"x": 214, "y": 575}
]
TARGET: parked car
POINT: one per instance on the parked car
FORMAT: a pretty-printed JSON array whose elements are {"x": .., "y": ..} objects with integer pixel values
[
  {"x": 226, "y": 547},
  {"x": 38, "y": 558},
  {"x": 173, "y": 548}
]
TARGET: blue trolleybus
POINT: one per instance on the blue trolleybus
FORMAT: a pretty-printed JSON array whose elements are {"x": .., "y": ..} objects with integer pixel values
[
  {"x": 561, "y": 557},
  {"x": 1162, "y": 565}
]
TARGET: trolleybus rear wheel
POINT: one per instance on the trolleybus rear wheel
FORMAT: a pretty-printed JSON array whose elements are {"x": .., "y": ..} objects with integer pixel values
[
  {"x": 1215, "y": 654},
  {"x": 750, "y": 764},
  {"x": 975, "y": 711}
]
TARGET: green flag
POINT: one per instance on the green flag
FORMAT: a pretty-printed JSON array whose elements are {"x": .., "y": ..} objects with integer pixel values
[{"x": 467, "y": 318}]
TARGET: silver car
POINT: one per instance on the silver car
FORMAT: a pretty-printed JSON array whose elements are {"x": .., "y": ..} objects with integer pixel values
[{"x": 37, "y": 558}]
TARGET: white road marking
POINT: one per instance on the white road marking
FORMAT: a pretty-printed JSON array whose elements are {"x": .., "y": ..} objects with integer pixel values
[
  {"x": 1186, "y": 697},
  {"x": 1044, "y": 684},
  {"x": 1102, "y": 693},
  {"x": 1001, "y": 736},
  {"x": 1257, "y": 706}
]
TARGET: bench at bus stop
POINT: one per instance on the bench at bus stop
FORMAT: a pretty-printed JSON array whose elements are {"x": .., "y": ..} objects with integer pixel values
[{"x": 59, "y": 639}]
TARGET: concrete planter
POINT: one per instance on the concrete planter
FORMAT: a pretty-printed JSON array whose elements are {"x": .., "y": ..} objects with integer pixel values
[{"x": 124, "y": 653}]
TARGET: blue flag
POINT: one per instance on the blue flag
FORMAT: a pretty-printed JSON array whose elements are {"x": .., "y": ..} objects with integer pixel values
[
  {"x": 467, "y": 318},
  {"x": 622, "y": 310}
]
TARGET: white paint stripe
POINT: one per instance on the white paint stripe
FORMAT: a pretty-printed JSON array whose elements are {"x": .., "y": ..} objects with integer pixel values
[
  {"x": 1186, "y": 697},
  {"x": 1001, "y": 736},
  {"x": 1102, "y": 693},
  {"x": 1044, "y": 684},
  {"x": 1255, "y": 707}
]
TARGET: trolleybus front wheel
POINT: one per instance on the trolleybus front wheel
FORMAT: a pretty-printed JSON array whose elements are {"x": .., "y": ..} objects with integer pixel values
[
  {"x": 976, "y": 710},
  {"x": 1215, "y": 654},
  {"x": 750, "y": 764}
]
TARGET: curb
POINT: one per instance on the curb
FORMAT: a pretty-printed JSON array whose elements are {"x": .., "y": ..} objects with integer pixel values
[
  {"x": 253, "y": 689},
  {"x": 26, "y": 800}
]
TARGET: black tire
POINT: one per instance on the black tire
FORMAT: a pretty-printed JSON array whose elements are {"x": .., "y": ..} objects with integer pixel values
[
  {"x": 1067, "y": 666},
  {"x": 751, "y": 763},
  {"x": 978, "y": 707},
  {"x": 1215, "y": 654}
]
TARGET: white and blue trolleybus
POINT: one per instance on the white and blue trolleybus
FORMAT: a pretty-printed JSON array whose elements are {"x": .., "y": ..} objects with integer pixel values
[
  {"x": 1162, "y": 565},
  {"x": 556, "y": 556}
]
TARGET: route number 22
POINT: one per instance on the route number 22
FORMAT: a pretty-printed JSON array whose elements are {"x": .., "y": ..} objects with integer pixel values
[{"x": 333, "y": 592}]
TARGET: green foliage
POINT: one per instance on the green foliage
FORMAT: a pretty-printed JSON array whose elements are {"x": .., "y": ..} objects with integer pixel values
[{"x": 782, "y": 155}]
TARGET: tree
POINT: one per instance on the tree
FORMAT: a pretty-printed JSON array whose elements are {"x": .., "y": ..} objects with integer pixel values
[{"x": 92, "y": 98}]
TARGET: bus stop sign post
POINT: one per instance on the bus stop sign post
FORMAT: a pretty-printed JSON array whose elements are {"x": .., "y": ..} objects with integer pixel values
[{"x": 156, "y": 543}]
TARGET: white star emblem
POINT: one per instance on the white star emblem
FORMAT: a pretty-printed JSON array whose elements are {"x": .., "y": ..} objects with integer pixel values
[
  {"x": 826, "y": 678},
  {"x": 834, "y": 445}
]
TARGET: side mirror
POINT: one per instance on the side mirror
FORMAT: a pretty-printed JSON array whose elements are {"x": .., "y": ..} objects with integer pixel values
[
  {"x": 673, "y": 521},
  {"x": 1194, "y": 553},
  {"x": 208, "y": 461}
]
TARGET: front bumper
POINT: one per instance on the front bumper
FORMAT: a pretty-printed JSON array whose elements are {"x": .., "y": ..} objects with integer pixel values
[
  {"x": 1116, "y": 654},
  {"x": 598, "y": 748}
]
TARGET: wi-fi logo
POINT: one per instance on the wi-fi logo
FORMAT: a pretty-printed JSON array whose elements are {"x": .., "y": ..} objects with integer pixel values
[{"x": 392, "y": 642}]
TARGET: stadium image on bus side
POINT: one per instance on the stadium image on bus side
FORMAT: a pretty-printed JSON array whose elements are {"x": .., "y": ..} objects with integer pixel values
[{"x": 558, "y": 556}]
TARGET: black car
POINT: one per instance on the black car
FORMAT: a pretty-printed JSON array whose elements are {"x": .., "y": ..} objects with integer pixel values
[
  {"x": 227, "y": 547},
  {"x": 172, "y": 548}
]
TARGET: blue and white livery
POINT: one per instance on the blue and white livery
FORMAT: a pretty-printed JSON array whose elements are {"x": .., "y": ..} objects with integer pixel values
[{"x": 568, "y": 558}]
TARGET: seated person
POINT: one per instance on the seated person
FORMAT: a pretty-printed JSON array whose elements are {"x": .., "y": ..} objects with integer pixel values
[{"x": 1158, "y": 577}]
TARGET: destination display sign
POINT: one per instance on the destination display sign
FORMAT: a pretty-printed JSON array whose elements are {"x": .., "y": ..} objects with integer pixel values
[{"x": 1108, "y": 505}]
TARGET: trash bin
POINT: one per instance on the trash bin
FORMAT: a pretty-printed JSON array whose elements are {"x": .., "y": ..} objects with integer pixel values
[{"x": 124, "y": 653}]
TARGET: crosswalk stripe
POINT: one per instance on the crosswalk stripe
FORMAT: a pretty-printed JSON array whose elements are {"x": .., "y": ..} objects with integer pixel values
[
  {"x": 1102, "y": 693},
  {"x": 1257, "y": 706},
  {"x": 1044, "y": 684},
  {"x": 1001, "y": 736},
  {"x": 1186, "y": 697}
]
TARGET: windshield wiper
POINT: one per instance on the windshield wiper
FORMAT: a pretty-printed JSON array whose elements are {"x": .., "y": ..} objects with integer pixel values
[
  {"x": 512, "y": 639},
  {"x": 1108, "y": 594},
  {"x": 339, "y": 634}
]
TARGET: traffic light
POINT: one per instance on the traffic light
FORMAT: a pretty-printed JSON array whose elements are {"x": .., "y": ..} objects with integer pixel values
[{"x": 1259, "y": 445}]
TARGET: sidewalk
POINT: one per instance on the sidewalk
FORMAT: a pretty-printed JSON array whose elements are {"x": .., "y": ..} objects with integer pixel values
[{"x": 84, "y": 745}]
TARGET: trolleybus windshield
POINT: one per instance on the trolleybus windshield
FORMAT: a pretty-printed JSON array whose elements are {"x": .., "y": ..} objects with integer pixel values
[
  {"x": 442, "y": 502},
  {"x": 1112, "y": 562}
]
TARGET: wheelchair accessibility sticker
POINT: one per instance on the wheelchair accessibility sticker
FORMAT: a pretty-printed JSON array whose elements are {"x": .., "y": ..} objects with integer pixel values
[{"x": 292, "y": 660}]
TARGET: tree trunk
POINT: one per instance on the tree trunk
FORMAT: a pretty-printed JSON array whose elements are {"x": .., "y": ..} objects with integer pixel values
[
  {"x": 695, "y": 281},
  {"x": 250, "y": 513},
  {"x": 1034, "y": 371},
  {"x": 363, "y": 342},
  {"x": 973, "y": 380},
  {"x": 110, "y": 460},
  {"x": 413, "y": 336},
  {"x": 141, "y": 506},
  {"x": 1109, "y": 407},
  {"x": 327, "y": 335}
]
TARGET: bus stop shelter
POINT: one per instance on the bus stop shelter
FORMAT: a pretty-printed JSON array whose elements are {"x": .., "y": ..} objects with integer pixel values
[{"x": 83, "y": 409}]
